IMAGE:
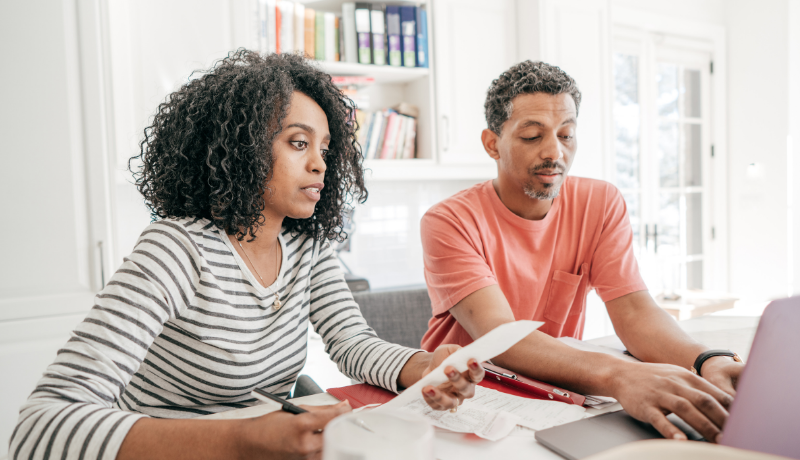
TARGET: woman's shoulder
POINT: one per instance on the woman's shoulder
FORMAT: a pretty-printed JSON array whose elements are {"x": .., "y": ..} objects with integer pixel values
[{"x": 189, "y": 237}]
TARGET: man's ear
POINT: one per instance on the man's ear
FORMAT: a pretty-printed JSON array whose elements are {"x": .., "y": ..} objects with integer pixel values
[{"x": 489, "y": 139}]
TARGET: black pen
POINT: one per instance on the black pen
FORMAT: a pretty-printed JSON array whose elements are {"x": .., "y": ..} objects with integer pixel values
[{"x": 286, "y": 406}]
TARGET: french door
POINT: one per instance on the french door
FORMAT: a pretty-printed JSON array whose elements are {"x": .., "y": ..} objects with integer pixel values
[{"x": 663, "y": 156}]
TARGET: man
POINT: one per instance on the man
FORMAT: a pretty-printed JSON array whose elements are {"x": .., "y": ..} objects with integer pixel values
[{"x": 533, "y": 242}]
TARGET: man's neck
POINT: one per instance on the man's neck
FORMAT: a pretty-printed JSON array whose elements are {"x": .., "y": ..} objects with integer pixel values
[{"x": 515, "y": 199}]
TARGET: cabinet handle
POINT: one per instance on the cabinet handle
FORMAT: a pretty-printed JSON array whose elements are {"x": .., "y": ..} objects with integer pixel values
[{"x": 446, "y": 130}]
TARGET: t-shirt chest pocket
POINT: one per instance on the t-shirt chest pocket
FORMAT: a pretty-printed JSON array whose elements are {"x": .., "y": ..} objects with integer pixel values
[{"x": 563, "y": 289}]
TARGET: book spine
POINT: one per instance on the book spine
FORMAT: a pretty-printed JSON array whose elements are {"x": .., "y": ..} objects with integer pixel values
[
  {"x": 299, "y": 28},
  {"x": 319, "y": 35},
  {"x": 408, "y": 26},
  {"x": 375, "y": 134},
  {"x": 336, "y": 39},
  {"x": 330, "y": 34},
  {"x": 378, "y": 26},
  {"x": 422, "y": 38},
  {"x": 410, "y": 150},
  {"x": 362, "y": 20},
  {"x": 309, "y": 36},
  {"x": 390, "y": 138},
  {"x": 287, "y": 26},
  {"x": 349, "y": 32},
  {"x": 278, "y": 21},
  {"x": 401, "y": 138},
  {"x": 393, "y": 34}
]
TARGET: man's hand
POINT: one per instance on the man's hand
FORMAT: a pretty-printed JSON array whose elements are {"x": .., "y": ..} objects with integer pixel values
[
  {"x": 649, "y": 392},
  {"x": 723, "y": 372}
]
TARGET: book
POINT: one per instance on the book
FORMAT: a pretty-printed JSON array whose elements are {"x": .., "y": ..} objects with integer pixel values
[
  {"x": 393, "y": 35},
  {"x": 408, "y": 27},
  {"x": 277, "y": 29},
  {"x": 319, "y": 36},
  {"x": 389, "y": 145},
  {"x": 330, "y": 37},
  {"x": 309, "y": 37},
  {"x": 401, "y": 138},
  {"x": 376, "y": 134},
  {"x": 378, "y": 26},
  {"x": 422, "y": 37},
  {"x": 286, "y": 9},
  {"x": 364, "y": 34},
  {"x": 336, "y": 37},
  {"x": 410, "y": 146},
  {"x": 349, "y": 32},
  {"x": 299, "y": 27},
  {"x": 340, "y": 28}
]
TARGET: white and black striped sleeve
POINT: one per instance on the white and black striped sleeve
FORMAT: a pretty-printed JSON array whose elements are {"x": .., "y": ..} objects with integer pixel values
[
  {"x": 349, "y": 341},
  {"x": 70, "y": 413}
]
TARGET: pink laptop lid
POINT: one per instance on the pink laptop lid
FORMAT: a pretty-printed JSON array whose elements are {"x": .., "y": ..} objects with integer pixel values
[{"x": 765, "y": 415}]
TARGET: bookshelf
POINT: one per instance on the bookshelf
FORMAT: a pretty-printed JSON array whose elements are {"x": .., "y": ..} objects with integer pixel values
[{"x": 392, "y": 86}]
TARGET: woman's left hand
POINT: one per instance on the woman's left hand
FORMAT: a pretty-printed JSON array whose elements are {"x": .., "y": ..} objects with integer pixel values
[{"x": 450, "y": 394}]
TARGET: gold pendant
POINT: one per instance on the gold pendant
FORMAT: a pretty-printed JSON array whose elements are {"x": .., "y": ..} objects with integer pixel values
[{"x": 276, "y": 305}]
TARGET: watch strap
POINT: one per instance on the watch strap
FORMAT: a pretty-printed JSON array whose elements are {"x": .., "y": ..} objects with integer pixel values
[{"x": 702, "y": 357}]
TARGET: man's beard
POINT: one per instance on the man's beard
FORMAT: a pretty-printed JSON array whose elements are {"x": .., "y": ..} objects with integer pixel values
[{"x": 550, "y": 190}]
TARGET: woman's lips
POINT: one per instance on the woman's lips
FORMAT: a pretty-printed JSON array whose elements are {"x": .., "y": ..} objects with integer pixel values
[{"x": 312, "y": 192}]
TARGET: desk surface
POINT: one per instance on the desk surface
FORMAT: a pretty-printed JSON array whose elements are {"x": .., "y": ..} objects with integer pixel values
[{"x": 729, "y": 332}]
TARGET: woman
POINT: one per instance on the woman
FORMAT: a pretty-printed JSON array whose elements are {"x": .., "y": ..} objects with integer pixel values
[{"x": 249, "y": 169}]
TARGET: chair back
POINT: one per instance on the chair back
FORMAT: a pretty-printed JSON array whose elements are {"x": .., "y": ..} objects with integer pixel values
[{"x": 398, "y": 316}]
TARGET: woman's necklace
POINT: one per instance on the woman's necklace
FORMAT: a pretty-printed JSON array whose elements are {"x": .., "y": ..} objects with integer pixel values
[{"x": 276, "y": 305}]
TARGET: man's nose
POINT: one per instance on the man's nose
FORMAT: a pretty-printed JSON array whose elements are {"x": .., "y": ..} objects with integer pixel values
[{"x": 551, "y": 149}]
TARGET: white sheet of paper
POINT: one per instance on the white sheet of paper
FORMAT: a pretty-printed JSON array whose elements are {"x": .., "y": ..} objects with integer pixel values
[
  {"x": 487, "y": 347},
  {"x": 493, "y": 415}
]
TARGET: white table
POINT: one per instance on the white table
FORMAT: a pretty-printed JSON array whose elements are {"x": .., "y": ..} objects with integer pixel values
[{"x": 735, "y": 333}]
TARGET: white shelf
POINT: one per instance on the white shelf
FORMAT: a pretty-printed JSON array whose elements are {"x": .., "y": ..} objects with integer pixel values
[
  {"x": 425, "y": 169},
  {"x": 381, "y": 73}
]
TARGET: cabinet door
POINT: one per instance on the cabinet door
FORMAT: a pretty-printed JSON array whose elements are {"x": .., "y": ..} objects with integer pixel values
[{"x": 474, "y": 42}]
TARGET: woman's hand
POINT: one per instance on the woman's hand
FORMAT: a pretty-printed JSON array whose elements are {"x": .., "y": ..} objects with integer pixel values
[
  {"x": 282, "y": 435},
  {"x": 451, "y": 394}
]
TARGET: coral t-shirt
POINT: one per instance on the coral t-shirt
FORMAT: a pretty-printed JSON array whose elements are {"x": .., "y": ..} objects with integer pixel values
[{"x": 545, "y": 268}]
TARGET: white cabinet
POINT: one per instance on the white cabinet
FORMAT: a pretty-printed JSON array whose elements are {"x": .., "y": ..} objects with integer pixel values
[{"x": 475, "y": 41}]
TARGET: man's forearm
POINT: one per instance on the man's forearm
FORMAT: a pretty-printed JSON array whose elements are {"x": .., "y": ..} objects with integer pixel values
[
  {"x": 544, "y": 358},
  {"x": 651, "y": 334}
]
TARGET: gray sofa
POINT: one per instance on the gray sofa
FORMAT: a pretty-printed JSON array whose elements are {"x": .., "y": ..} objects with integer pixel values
[{"x": 398, "y": 315}]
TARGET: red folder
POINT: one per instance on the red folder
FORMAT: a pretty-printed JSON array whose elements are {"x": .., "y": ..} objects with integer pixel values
[{"x": 496, "y": 378}]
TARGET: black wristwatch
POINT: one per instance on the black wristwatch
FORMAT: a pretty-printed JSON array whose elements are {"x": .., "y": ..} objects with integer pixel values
[{"x": 698, "y": 363}]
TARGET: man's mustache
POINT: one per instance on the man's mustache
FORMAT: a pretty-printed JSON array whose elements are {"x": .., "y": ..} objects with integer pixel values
[{"x": 554, "y": 165}]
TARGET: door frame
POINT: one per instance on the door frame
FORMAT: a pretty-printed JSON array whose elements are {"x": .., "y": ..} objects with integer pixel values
[{"x": 627, "y": 23}]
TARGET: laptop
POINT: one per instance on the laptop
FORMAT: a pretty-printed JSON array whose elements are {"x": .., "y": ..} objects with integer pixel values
[{"x": 764, "y": 416}]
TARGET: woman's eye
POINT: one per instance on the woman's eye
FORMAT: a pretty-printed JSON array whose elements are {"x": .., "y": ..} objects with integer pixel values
[
  {"x": 300, "y": 145},
  {"x": 566, "y": 137},
  {"x": 530, "y": 138},
  {"x": 325, "y": 153}
]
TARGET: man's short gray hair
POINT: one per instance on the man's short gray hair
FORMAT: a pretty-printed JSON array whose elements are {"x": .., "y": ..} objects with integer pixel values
[{"x": 527, "y": 77}]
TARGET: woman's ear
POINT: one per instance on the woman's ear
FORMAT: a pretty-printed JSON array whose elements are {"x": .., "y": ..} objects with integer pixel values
[{"x": 489, "y": 139}]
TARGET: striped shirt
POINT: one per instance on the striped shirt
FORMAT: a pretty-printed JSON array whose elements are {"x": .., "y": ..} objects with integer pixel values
[{"x": 184, "y": 329}]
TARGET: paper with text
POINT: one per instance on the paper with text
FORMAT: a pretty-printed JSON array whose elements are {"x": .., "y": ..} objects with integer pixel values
[
  {"x": 493, "y": 415},
  {"x": 497, "y": 341}
]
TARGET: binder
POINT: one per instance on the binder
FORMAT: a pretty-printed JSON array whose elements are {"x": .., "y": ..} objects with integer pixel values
[
  {"x": 422, "y": 38},
  {"x": 299, "y": 27},
  {"x": 277, "y": 28},
  {"x": 309, "y": 35},
  {"x": 362, "y": 20},
  {"x": 507, "y": 381},
  {"x": 393, "y": 35},
  {"x": 330, "y": 37},
  {"x": 336, "y": 38},
  {"x": 408, "y": 27},
  {"x": 286, "y": 9},
  {"x": 378, "y": 26},
  {"x": 348, "y": 29},
  {"x": 319, "y": 36}
]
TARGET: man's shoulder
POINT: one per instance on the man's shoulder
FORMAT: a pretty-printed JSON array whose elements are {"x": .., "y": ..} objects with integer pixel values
[{"x": 465, "y": 202}]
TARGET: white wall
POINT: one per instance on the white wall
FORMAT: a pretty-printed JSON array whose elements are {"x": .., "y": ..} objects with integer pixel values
[
  {"x": 794, "y": 131},
  {"x": 757, "y": 131},
  {"x": 708, "y": 11}
]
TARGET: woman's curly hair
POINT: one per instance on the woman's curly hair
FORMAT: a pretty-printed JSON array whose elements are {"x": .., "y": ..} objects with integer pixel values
[
  {"x": 208, "y": 152},
  {"x": 527, "y": 77}
]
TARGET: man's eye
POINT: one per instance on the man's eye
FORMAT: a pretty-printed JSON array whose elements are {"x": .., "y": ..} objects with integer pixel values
[{"x": 300, "y": 145}]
